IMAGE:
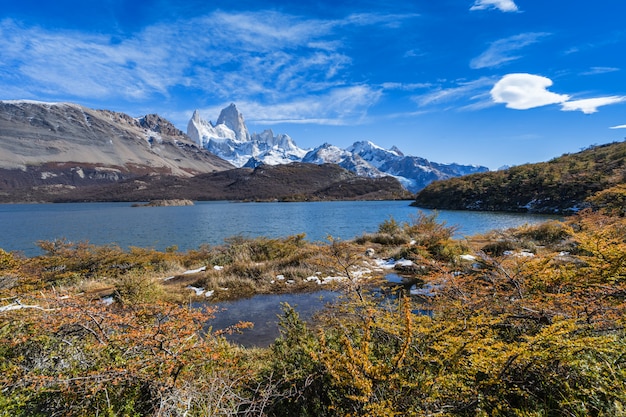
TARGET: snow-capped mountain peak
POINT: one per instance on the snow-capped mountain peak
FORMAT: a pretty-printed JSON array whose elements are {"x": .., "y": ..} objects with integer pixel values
[
  {"x": 233, "y": 119},
  {"x": 229, "y": 139},
  {"x": 331, "y": 154},
  {"x": 373, "y": 153}
]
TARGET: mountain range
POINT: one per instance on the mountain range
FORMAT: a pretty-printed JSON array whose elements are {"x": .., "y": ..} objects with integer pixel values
[
  {"x": 56, "y": 152},
  {"x": 230, "y": 139}
]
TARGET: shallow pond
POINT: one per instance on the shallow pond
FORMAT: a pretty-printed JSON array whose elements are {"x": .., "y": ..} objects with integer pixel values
[{"x": 264, "y": 311}]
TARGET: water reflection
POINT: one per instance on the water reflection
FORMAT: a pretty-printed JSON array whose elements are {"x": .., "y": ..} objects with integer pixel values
[{"x": 264, "y": 311}]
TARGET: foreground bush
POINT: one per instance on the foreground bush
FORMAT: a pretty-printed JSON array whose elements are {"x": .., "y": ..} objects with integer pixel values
[{"x": 508, "y": 332}]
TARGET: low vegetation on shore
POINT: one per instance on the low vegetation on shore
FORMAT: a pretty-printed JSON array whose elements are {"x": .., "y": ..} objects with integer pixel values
[
  {"x": 591, "y": 178},
  {"x": 522, "y": 322}
]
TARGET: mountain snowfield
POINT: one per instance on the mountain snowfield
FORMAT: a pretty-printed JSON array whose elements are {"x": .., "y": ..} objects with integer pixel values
[{"x": 229, "y": 139}]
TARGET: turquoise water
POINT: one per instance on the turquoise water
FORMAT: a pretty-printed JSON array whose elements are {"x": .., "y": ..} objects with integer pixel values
[{"x": 22, "y": 225}]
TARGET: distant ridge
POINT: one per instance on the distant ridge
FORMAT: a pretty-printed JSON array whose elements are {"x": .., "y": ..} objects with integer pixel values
[{"x": 292, "y": 182}]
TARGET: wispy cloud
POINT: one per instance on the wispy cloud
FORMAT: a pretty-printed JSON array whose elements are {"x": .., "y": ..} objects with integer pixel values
[
  {"x": 405, "y": 86},
  {"x": 339, "y": 106},
  {"x": 527, "y": 91},
  {"x": 502, "y": 5},
  {"x": 262, "y": 56},
  {"x": 600, "y": 70},
  {"x": 502, "y": 50},
  {"x": 618, "y": 127},
  {"x": 462, "y": 90}
]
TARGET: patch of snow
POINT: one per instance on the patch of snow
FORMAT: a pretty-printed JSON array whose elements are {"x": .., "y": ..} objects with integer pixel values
[
  {"x": 197, "y": 290},
  {"x": 522, "y": 254},
  {"x": 42, "y": 103},
  {"x": 194, "y": 271},
  {"x": 314, "y": 279},
  {"x": 107, "y": 300},
  {"x": 218, "y": 267},
  {"x": 386, "y": 263},
  {"x": 79, "y": 171},
  {"x": 46, "y": 175},
  {"x": 209, "y": 293},
  {"x": 328, "y": 280},
  {"x": 467, "y": 257},
  {"x": 404, "y": 262}
]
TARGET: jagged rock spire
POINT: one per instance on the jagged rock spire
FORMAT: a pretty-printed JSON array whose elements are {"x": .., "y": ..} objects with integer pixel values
[
  {"x": 196, "y": 116},
  {"x": 231, "y": 117}
]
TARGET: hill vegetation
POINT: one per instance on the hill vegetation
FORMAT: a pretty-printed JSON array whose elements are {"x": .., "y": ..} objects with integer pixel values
[
  {"x": 594, "y": 177},
  {"x": 292, "y": 182},
  {"x": 522, "y": 322}
]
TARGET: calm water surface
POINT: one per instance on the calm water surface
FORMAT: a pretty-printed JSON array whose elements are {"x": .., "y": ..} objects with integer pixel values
[
  {"x": 265, "y": 312},
  {"x": 22, "y": 225}
]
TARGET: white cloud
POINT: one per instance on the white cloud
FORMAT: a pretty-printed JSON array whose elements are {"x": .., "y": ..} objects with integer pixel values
[
  {"x": 590, "y": 105},
  {"x": 502, "y": 5},
  {"x": 269, "y": 57},
  {"x": 525, "y": 91},
  {"x": 618, "y": 127},
  {"x": 500, "y": 51}
]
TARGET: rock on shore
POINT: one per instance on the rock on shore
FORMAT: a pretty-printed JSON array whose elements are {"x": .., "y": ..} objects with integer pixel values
[{"x": 166, "y": 203}]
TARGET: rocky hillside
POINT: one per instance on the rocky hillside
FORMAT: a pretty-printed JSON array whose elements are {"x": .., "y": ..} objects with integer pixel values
[
  {"x": 593, "y": 177},
  {"x": 67, "y": 144},
  {"x": 293, "y": 182}
]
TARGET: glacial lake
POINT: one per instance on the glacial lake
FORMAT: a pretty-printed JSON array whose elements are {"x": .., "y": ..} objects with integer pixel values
[{"x": 188, "y": 227}]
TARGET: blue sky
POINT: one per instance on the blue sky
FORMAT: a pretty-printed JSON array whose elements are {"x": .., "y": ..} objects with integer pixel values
[{"x": 489, "y": 82}]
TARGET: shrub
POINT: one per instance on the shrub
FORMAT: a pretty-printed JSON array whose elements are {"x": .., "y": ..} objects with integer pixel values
[
  {"x": 499, "y": 247},
  {"x": 389, "y": 227},
  {"x": 138, "y": 288},
  {"x": 547, "y": 233}
]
